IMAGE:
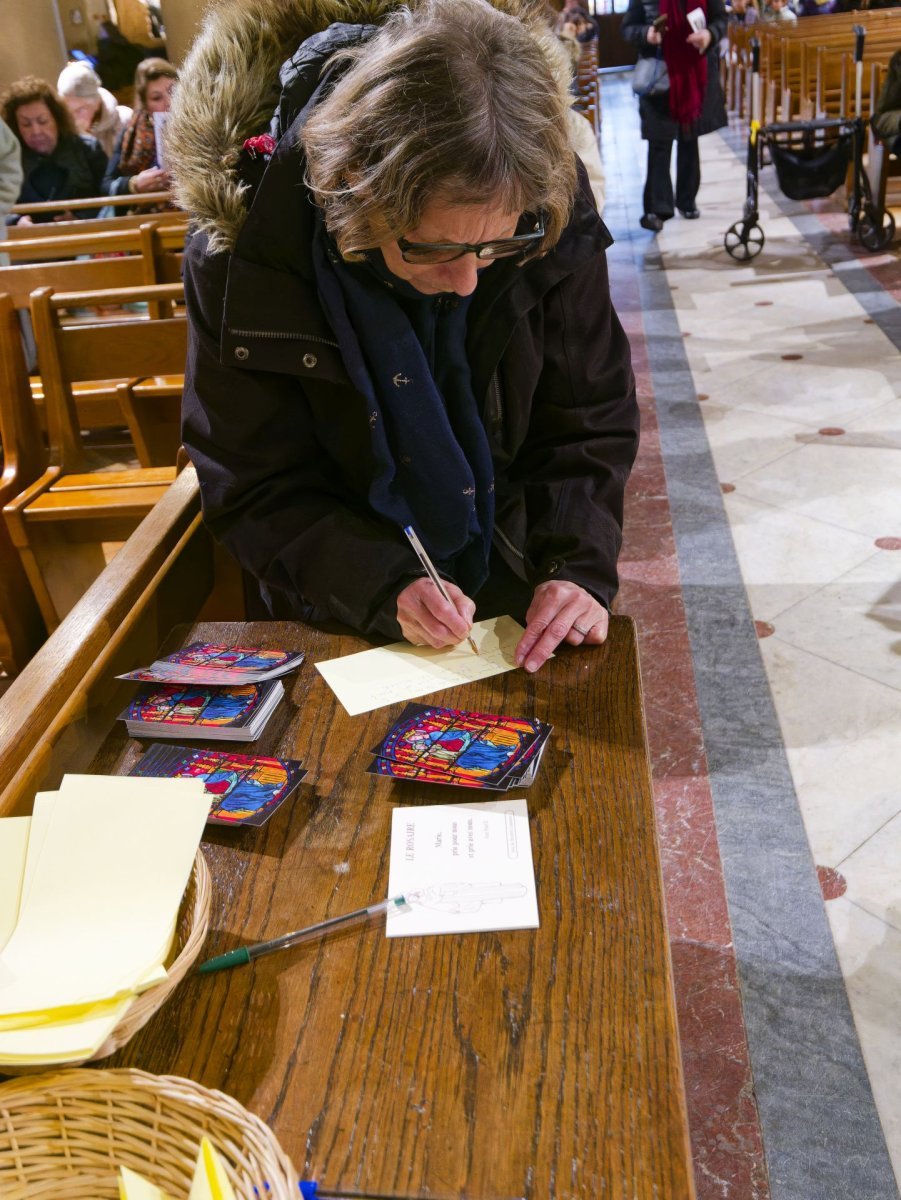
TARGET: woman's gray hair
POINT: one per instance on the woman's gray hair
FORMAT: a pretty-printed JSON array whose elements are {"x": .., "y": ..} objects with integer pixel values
[{"x": 451, "y": 100}]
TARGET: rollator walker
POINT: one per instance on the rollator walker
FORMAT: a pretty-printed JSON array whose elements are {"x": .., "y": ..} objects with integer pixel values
[{"x": 812, "y": 159}]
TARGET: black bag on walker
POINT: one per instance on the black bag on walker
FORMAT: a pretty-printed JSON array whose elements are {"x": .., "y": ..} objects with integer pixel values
[{"x": 810, "y": 172}]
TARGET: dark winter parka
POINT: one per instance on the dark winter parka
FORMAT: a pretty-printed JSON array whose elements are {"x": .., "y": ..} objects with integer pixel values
[
  {"x": 656, "y": 123},
  {"x": 74, "y": 171},
  {"x": 280, "y": 438}
]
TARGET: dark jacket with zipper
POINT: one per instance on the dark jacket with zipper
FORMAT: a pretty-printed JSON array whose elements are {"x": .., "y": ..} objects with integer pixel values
[
  {"x": 280, "y": 438},
  {"x": 656, "y": 123}
]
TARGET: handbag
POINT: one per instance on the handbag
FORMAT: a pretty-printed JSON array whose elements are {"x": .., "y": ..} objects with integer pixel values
[{"x": 650, "y": 76}]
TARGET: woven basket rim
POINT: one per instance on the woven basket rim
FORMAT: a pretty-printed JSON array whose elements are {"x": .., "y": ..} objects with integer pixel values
[{"x": 83, "y": 1102}]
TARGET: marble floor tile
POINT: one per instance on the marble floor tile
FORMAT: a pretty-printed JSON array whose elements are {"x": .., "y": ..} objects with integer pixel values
[
  {"x": 855, "y": 621},
  {"x": 786, "y": 557},
  {"x": 870, "y": 955},
  {"x": 873, "y": 872},
  {"x": 725, "y": 1133},
  {"x": 854, "y": 488},
  {"x": 742, "y": 441},
  {"x": 839, "y": 729}
]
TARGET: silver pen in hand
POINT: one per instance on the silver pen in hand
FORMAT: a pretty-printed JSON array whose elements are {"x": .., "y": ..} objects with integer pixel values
[{"x": 423, "y": 557}]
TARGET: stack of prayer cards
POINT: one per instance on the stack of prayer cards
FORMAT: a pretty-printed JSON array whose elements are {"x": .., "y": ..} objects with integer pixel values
[
  {"x": 466, "y": 749},
  {"x": 209, "y": 691},
  {"x": 90, "y": 889}
]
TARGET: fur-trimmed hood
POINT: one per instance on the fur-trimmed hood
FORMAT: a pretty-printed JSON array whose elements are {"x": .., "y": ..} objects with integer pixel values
[{"x": 229, "y": 88}]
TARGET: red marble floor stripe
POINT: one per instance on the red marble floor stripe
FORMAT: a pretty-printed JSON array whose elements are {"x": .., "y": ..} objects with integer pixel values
[{"x": 727, "y": 1146}]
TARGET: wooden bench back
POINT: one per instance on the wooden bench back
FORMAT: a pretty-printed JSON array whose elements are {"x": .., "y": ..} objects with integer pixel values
[
  {"x": 60, "y": 708},
  {"x": 24, "y": 460},
  {"x": 142, "y": 200},
  {"x": 127, "y": 349},
  {"x": 54, "y": 229}
]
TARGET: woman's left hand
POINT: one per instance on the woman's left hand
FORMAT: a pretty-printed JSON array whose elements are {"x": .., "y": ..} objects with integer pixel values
[
  {"x": 700, "y": 40},
  {"x": 560, "y": 611}
]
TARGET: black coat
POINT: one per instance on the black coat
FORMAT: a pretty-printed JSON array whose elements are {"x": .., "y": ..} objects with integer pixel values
[
  {"x": 656, "y": 123},
  {"x": 280, "y": 438},
  {"x": 74, "y": 171}
]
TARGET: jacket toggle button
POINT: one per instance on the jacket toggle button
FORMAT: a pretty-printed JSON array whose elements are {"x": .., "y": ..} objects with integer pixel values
[
  {"x": 554, "y": 566},
  {"x": 242, "y": 353},
  {"x": 310, "y": 361}
]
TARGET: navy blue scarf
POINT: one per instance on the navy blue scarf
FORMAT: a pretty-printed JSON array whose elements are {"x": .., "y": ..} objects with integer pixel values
[{"x": 432, "y": 462}]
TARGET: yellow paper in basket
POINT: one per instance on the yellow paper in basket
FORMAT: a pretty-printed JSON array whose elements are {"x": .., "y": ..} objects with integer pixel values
[
  {"x": 102, "y": 897},
  {"x": 14, "y": 832},
  {"x": 210, "y": 1181},
  {"x": 133, "y": 1186}
]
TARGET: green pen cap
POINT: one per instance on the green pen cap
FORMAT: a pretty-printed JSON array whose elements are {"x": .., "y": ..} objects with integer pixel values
[{"x": 234, "y": 958}]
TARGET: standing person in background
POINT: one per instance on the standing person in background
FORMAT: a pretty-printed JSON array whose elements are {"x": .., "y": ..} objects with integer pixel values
[
  {"x": 691, "y": 106},
  {"x": 57, "y": 162},
  {"x": 135, "y": 163},
  {"x": 10, "y": 177},
  {"x": 94, "y": 110}
]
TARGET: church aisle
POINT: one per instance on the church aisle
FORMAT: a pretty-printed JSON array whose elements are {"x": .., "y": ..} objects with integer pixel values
[{"x": 768, "y": 614}]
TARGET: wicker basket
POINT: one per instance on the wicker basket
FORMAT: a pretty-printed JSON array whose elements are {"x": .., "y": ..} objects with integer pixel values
[
  {"x": 190, "y": 934},
  {"x": 64, "y": 1135}
]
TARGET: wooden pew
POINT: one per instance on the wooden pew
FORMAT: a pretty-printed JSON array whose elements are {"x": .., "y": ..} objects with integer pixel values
[
  {"x": 141, "y": 201},
  {"x": 60, "y": 523},
  {"x": 22, "y": 628},
  {"x": 60, "y": 708},
  {"x": 802, "y": 68},
  {"x": 54, "y": 229},
  {"x": 149, "y": 254}
]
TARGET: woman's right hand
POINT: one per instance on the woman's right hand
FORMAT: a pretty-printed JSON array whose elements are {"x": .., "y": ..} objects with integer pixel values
[
  {"x": 154, "y": 179},
  {"x": 426, "y": 618},
  {"x": 654, "y": 36}
]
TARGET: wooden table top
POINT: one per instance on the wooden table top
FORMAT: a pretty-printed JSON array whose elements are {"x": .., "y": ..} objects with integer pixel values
[{"x": 533, "y": 1063}]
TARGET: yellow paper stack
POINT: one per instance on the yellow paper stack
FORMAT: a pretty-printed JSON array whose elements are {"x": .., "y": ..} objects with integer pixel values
[
  {"x": 210, "y": 1181},
  {"x": 90, "y": 888}
]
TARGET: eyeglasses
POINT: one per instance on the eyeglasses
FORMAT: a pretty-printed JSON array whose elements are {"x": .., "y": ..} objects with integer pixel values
[{"x": 444, "y": 252}]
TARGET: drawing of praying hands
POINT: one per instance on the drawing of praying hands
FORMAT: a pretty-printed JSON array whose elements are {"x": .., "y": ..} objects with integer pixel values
[{"x": 465, "y": 897}]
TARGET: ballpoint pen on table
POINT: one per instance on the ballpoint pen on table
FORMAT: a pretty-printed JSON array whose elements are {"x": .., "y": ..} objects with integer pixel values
[
  {"x": 246, "y": 954},
  {"x": 423, "y": 557}
]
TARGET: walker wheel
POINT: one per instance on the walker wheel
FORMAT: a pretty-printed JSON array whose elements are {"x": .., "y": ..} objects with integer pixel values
[
  {"x": 872, "y": 234},
  {"x": 743, "y": 241}
]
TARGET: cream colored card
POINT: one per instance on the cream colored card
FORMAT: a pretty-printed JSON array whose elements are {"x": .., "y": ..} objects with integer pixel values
[
  {"x": 103, "y": 893},
  {"x": 210, "y": 1181},
  {"x": 463, "y": 868},
  {"x": 62, "y": 1042},
  {"x": 388, "y": 674},
  {"x": 133, "y": 1186},
  {"x": 14, "y": 833}
]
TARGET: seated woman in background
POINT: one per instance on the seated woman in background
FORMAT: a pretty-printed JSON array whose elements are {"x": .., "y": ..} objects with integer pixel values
[
  {"x": 94, "y": 110},
  {"x": 57, "y": 162},
  {"x": 135, "y": 163}
]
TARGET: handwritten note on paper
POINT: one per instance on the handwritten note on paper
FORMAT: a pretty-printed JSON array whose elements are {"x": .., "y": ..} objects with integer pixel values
[
  {"x": 388, "y": 674},
  {"x": 463, "y": 868}
]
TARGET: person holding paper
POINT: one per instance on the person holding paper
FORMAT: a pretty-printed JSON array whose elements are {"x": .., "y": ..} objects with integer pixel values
[
  {"x": 400, "y": 315},
  {"x": 135, "y": 164},
  {"x": 686, "y": 34}
]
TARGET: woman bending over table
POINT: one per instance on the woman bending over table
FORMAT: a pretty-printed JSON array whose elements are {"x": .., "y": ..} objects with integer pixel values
[{"x": 400, "y": 315}]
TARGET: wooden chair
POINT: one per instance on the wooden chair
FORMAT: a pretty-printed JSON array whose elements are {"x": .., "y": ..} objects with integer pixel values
[
  {"x": 22, "y": 628},
  {"x": 60, "y": 523}
]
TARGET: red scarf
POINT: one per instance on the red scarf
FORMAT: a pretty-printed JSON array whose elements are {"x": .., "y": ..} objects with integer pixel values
[{"x": 687, "y": 68}]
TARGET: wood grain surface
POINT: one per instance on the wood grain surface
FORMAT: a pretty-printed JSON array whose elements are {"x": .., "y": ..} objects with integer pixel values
[{"x": 534, "y": 1063}]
